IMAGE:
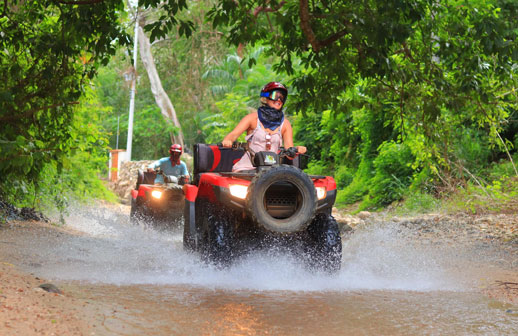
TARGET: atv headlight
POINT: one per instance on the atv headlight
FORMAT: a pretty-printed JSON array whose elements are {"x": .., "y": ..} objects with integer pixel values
[
  {"x": 321, "y": 192},
  {"x": 238, "y": 190},
  {"x": 156, "y": 194}
]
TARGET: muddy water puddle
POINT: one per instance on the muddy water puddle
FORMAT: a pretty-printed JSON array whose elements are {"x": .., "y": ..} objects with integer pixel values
[
  {"x": 179, "y": 310},
  {"x": 146, "y": 284}
]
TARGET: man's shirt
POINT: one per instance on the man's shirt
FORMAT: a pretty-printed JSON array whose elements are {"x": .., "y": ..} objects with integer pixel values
[{"x": 168, "y": 169}]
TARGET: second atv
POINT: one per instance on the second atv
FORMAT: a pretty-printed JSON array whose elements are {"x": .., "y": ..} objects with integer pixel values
[{"x": 157, "y": 204}]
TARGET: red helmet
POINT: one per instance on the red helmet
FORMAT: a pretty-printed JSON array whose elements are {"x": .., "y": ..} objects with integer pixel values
[
  {"x": 270, "y": 90},
  {"x": 175, "y": 148}
]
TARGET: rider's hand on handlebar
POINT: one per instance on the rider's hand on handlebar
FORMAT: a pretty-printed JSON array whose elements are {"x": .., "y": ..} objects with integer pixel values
[
  {"x": 301, "y": 149},
  {"x": 226, "y": 143},
  {"x": 291, "y": 152}
]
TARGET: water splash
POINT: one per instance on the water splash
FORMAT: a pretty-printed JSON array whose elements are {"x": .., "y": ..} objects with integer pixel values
[{"x": 111, "y": 250}]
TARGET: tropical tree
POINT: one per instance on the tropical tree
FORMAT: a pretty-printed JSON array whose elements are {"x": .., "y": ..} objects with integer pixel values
[
  {"x": 423, "y": 73},
  {"x": 179, "y": 63},
  {"x": 162, "y": 99},
  {"x": 49, "y": 51}
]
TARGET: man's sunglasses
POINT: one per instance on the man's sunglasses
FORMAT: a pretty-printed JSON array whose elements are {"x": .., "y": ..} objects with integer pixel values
[{"x": 274, "y": 95}]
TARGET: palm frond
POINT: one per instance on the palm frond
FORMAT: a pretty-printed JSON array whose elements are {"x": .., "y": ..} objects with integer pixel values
[
  {"x": 220, "y": 89},
  {"x": 218, "y": 74}
]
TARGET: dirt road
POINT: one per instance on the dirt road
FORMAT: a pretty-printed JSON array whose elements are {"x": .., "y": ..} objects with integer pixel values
[{"x": 109, "y": 276}]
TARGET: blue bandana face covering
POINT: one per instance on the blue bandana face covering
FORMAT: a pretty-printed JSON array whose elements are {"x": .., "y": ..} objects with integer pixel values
[{"x": 270, "y": 117}]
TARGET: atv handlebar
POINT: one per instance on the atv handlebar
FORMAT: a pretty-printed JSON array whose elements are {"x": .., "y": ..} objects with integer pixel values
[
  {"x": 236, "y": 145},
  {"x": 291, "y": 152},
  {"x": 181, "y": 180}
]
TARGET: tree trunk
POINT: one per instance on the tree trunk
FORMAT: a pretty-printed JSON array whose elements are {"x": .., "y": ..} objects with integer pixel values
[{"x": 161, "y": 98}]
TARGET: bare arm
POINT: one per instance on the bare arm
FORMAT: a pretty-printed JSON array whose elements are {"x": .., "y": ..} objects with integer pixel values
[
  {"x": 287, "y": 137},
  {"x": 243, "y": 125},
  {"x": 153, "y": 166}
]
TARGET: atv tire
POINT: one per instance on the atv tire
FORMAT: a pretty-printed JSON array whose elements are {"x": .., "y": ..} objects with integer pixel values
[
  {"x": 303, "y": 196},
  {"x": 189, "y": 242},
  {"x": 325, "y": 251},
  {"x": 218, "y": 237}
]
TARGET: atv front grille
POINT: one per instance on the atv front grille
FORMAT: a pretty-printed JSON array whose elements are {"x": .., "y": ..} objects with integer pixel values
[{"x": 281, "y": 200}]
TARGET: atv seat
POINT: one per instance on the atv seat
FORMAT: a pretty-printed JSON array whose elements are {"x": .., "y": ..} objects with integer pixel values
[{"x": 211, "y": 158}]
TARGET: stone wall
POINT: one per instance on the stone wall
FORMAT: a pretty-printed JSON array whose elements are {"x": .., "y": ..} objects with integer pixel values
[{"x": 128, "y": 178}]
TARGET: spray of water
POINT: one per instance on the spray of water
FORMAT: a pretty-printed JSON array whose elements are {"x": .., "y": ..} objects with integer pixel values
[{"x": 112, "y": 250}]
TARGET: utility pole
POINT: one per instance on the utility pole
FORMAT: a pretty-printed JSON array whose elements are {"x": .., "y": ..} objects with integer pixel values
[{"x": 133, "y": 84}]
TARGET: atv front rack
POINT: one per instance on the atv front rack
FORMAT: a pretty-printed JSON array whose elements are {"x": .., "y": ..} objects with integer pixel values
[{"x": 249, "y": 174}]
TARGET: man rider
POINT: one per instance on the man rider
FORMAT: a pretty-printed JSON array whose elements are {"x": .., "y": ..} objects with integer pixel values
[{"x": 171, "y": 165}]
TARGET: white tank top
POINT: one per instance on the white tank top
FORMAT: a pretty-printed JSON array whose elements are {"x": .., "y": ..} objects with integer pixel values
[{"x": 257, "y": 143}]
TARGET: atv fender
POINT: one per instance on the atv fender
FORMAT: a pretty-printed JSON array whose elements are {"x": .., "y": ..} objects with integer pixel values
[
  {"x": 134, "y": 194},
  {"x": 190, "y": 238}
]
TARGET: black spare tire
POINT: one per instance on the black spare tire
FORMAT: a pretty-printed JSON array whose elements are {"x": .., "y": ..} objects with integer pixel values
[{"x": 282, "y": 199}]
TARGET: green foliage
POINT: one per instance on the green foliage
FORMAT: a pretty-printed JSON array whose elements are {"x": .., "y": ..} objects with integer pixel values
[
  {"x": 333, "y": 40},
  {"x": 146, "y": 145},
  {"x": 48, "y": 50},
  {"x": 78, "y": 181},
  {"x": 343, "y": 176},
  {"x": 395, "y": 98},
  {"x": 155, "y": 143},
  {"x": 75, "y": 176},
  {"x": 471, "y": 149},
  {"x": 168, "y": 19},
  {"x": 502, "y": 168},
  {"x": 113, "y": 92},
  {"x": 359, "y": 186},
  {"x": 180, "y": 62},
  {"x": 392, "y": 177},
  {"x": 232, "y": 108},
  {"x": 426, "y": 75},
  {"x": 498, "y": 196},
  {"x": 498, "y": 193},
  {"x": 241, "y": 76},
  {"x": 418, "y": 203}
]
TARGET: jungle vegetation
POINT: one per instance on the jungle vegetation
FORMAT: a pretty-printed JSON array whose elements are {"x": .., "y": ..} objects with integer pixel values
[{"x": 410, "y": 100}]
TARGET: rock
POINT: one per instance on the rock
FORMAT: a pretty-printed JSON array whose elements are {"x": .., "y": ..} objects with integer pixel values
[
  {"x": 364, "y": 214},
  {"x": 50, "y": 288},
  {"x": 32, "y": 214},
  {"x": 483, "y": 220},
  {"x": 348, "y": 220},
  {"x": 10, "y": 212}
]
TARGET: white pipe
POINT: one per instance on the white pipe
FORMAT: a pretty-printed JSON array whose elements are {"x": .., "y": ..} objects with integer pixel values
[{"x": 132, "y": 91}]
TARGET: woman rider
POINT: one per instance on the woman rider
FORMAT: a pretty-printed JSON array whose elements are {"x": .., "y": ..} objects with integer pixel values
[{"x": 266, "y": 129}]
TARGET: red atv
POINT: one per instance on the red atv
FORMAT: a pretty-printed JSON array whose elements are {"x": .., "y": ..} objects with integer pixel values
[
  {"x": 230, "y": 213},
  {"x": 159, "y": 204}
]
